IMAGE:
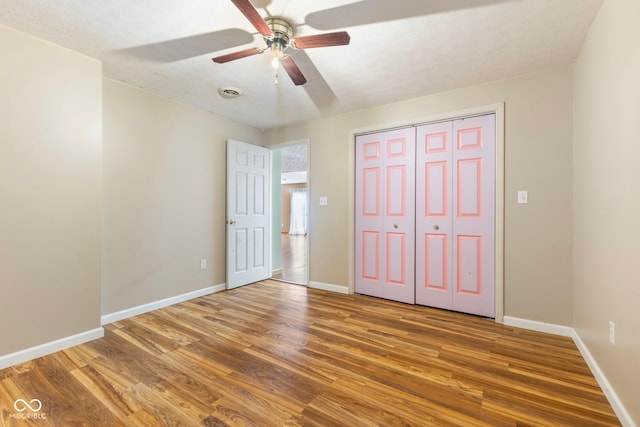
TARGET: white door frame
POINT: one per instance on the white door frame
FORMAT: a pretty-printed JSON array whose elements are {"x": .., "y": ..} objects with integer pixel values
[{"x": 498, "y": 110}]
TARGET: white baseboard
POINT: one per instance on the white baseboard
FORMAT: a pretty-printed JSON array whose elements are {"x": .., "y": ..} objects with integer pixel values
[
  {"x": 534, "y": 325},
  {"x": 50, "y": 347},
  {"x": 566, "y": 331},
  {"x": 145, "y": 308},
  {"x": 329, "y": 287},
  {"x": 605, "y": 385}
]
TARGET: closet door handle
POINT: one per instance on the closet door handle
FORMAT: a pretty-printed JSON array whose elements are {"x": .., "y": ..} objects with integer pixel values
[
  {"x": 395, "y": 225},
  {"x": 436, "y": 227}
]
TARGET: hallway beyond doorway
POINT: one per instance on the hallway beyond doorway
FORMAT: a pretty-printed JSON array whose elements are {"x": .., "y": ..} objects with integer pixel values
[{"x": 294, "y": 259}]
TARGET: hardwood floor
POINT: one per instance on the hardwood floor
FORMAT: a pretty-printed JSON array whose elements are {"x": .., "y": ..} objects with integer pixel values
[
  {"x": 294, "y": 259},
  {"x": 277, "y": 354}
]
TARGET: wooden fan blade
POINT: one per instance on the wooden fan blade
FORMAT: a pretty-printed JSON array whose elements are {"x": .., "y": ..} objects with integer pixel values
[
  {"x": 237, "y": 55},
  {"x": 253, "y": 16},
  {"x": 340, "y": 38},
  {"x": 292, "y": 69}
]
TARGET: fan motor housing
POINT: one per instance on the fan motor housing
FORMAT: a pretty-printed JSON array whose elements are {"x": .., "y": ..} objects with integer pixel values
[{"x": 282, "y": 34}]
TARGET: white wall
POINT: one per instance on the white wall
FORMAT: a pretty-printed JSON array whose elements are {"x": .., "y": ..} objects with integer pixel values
[
  {"x": 607, "y": 199},
  {"x": 50, "y": 192}
]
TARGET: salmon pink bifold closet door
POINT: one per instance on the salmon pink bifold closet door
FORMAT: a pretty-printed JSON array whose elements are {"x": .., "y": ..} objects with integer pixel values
[
  {"x": 455, "y": 216},
  {"x": 385, "y": 215}
]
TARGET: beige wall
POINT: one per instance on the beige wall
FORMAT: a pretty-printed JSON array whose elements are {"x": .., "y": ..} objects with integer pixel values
[
  {"x": 538, "y": 150},
  {"x": 164, "y": 197},
  {"x": 607, "y": 199},
  {"x": 50, "y": 192}
]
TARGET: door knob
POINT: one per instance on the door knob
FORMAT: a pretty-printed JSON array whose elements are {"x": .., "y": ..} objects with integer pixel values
[
  {"x": 231, "y": 221},
  {"x": 395, "y": 225},
  {"x": 436, "y": 227}
]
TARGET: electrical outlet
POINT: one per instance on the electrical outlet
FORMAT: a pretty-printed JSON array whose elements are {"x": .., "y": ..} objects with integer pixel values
[
  {"x": 612, "y": 332},
  {"x": 203, "y": 264}
]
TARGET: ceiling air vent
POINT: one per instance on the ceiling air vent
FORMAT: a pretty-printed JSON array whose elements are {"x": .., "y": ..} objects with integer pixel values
[{"x": 229, "y": 92}]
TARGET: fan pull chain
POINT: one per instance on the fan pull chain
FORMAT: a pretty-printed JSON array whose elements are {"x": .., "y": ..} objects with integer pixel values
[{"x": 275, "y": 63}]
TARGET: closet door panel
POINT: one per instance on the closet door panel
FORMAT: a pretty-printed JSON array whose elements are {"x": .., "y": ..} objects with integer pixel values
[
  {"x": 474, "y": 215},
  {"x": 399, "y": 220},
  {"x": 433, "y": 214},
  {"x": 436, "y": 262},
  {"x": 385, "y": 206},
  {"x": 370, "y": 255},
  {"x": 370, "y": 250}
]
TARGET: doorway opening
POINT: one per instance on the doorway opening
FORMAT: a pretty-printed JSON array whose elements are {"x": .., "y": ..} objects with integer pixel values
[{"x": 290, "y": 202}]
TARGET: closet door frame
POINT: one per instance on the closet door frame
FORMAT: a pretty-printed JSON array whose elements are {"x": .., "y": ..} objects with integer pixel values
[{"x": 498, "y": 110}]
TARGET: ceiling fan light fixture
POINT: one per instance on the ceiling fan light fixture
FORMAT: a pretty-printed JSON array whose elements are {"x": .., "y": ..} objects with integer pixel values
[
  {"x": 277, "y": 50},
  {"x": 282, "y": 30},
  {"x": 278, "y": 35},
  {"x": 280, "y": 39},
  {"x": 229, "y": 92}
]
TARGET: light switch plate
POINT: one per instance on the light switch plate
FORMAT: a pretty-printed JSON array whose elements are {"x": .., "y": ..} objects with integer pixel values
[
  {"x": 523, "y": 197},
  {"x": 324, "y": 201}
]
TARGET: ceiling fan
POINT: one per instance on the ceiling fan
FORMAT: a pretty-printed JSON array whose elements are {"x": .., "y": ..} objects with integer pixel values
[{"x": 278, "y": 35}]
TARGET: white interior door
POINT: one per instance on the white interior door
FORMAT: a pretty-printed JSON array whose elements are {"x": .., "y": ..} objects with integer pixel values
[{"x": 248, "y": 214}]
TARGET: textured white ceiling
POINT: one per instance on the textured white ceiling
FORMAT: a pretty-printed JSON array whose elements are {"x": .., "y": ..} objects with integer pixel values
[
  {"x": 293, "y": 164},
  {"x": 399, "y": 49},
  {"x": 293, "y": 158}
]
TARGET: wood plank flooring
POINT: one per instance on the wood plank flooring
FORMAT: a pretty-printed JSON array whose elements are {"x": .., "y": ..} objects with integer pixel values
[
  {"x": 277, "y": 354},
  {"x": 293, "y": 258}
]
